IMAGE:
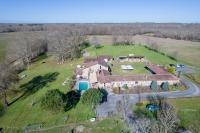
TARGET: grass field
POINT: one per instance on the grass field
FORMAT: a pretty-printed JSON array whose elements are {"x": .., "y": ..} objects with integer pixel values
[
  {"x": 110, "y": 125},
  {"x": 139, "y": 68},
  {"x": 189, "y": 112},
  {"x": 125, "y": 50},
  {"x": 26, "y": 110},
  {"x": 2, "y": 49},
  {"x": 187, "y": 51}
]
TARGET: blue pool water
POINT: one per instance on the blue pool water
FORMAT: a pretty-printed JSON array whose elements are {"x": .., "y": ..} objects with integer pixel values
[
  {"x": 83, "y": 85},
  {"x": 152, "y": 107}
]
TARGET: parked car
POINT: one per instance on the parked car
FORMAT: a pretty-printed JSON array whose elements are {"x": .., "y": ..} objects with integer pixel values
[
  {"x": 171, "y": 65},
  {"x": 180, "y": 66}
]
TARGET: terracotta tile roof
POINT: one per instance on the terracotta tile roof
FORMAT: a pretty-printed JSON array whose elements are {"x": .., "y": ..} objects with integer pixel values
[
  {"x": 99, "y": 60},
  {"x": 103, "y": 57},
  {"x": 91, "y": 63},
  {"x": 156, "y": 69},
  {"x": 87, "y": 60},
  {"x": 79, "y": 71},
  {"x": 131, "y": 57},
  {"x": 118, "y": 78},
  {"x": 136, "y": 57},
  {"x": 103, "y": 72}
]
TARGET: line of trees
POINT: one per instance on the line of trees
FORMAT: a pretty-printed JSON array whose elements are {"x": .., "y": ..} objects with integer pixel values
[
  {"x": 8, "y": 76},
  {"x": 165, "y": 30},
  {"x": 62, "y": 44}
]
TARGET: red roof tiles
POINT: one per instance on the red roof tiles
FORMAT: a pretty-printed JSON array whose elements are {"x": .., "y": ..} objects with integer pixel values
[
  {"x": 156, "y": 69},
  {"x": 158, "y": 77}
]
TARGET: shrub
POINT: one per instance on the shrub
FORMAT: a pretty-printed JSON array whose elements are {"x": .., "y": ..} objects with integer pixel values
[
  {"x": 171, "y": 70},
  {"x": 109, "y": 69},
  {"x": 97, "y": 46},
  {"x": 72, "y": 98},
  {"x": 53, "y": 101},
  {"x": 125, "y": 86},
  {"x": 2, "y": 109},
  {"x": 143, "y": 113},
  {"x": 92, "y": 97},
  {"x": 85, "y": 44},
  {"x": 154, "y": 85},
  {"x": 165, "y": 86}
]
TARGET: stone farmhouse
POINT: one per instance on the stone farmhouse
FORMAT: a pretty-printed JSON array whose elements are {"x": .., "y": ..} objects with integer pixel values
[{"x": 95, "y": 71}]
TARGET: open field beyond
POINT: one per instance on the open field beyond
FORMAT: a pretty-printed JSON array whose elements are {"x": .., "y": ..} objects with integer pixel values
[
  {"x": 2, "y": 49},
  {"x": 187, "y": 51},
  {"x": 189, "y": 112}
]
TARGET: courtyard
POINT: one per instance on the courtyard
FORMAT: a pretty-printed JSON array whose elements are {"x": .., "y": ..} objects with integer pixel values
[{"x": 138, "y": 68}]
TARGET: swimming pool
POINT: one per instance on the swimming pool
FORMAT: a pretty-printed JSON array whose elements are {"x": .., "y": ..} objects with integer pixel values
[
  {"x": 152, "y": 107},
  {"x": 83, "y": 85}
]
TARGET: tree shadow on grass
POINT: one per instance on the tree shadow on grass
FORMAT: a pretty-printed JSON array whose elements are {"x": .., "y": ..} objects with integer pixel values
[
  {"x": 36, "y": 84},
  {"x": 105, "y": 95},
  {"x": 71, "y": 98}
]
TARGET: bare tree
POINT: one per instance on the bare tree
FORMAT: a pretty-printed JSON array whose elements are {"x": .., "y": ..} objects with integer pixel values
[
  {"x": 95, "y": 42},
  {"x": 114, "y": 39},
  {"x": 8, "y": 76},
  {"x": 167, "y": 118},
  {"x": 63, "y": 45},
  {"x": 26, "y": 46},
  {"x": 141, "y": 125}
]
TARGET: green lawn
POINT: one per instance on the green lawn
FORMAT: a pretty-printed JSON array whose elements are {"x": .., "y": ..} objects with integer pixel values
[
  {"x": 26, "y": 110},
  {"x": 110, "y": 125},
  {"x": 189, "y": 112},
  {"x": 139, "y": 68},
  {"x": 126, "y": 50}
]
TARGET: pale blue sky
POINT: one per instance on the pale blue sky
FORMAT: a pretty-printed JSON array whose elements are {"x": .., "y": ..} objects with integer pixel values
[{"x": 90, "y": 11}]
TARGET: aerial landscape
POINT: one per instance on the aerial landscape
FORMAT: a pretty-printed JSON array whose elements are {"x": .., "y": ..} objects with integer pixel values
[{"x": 107, "y": 66}]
